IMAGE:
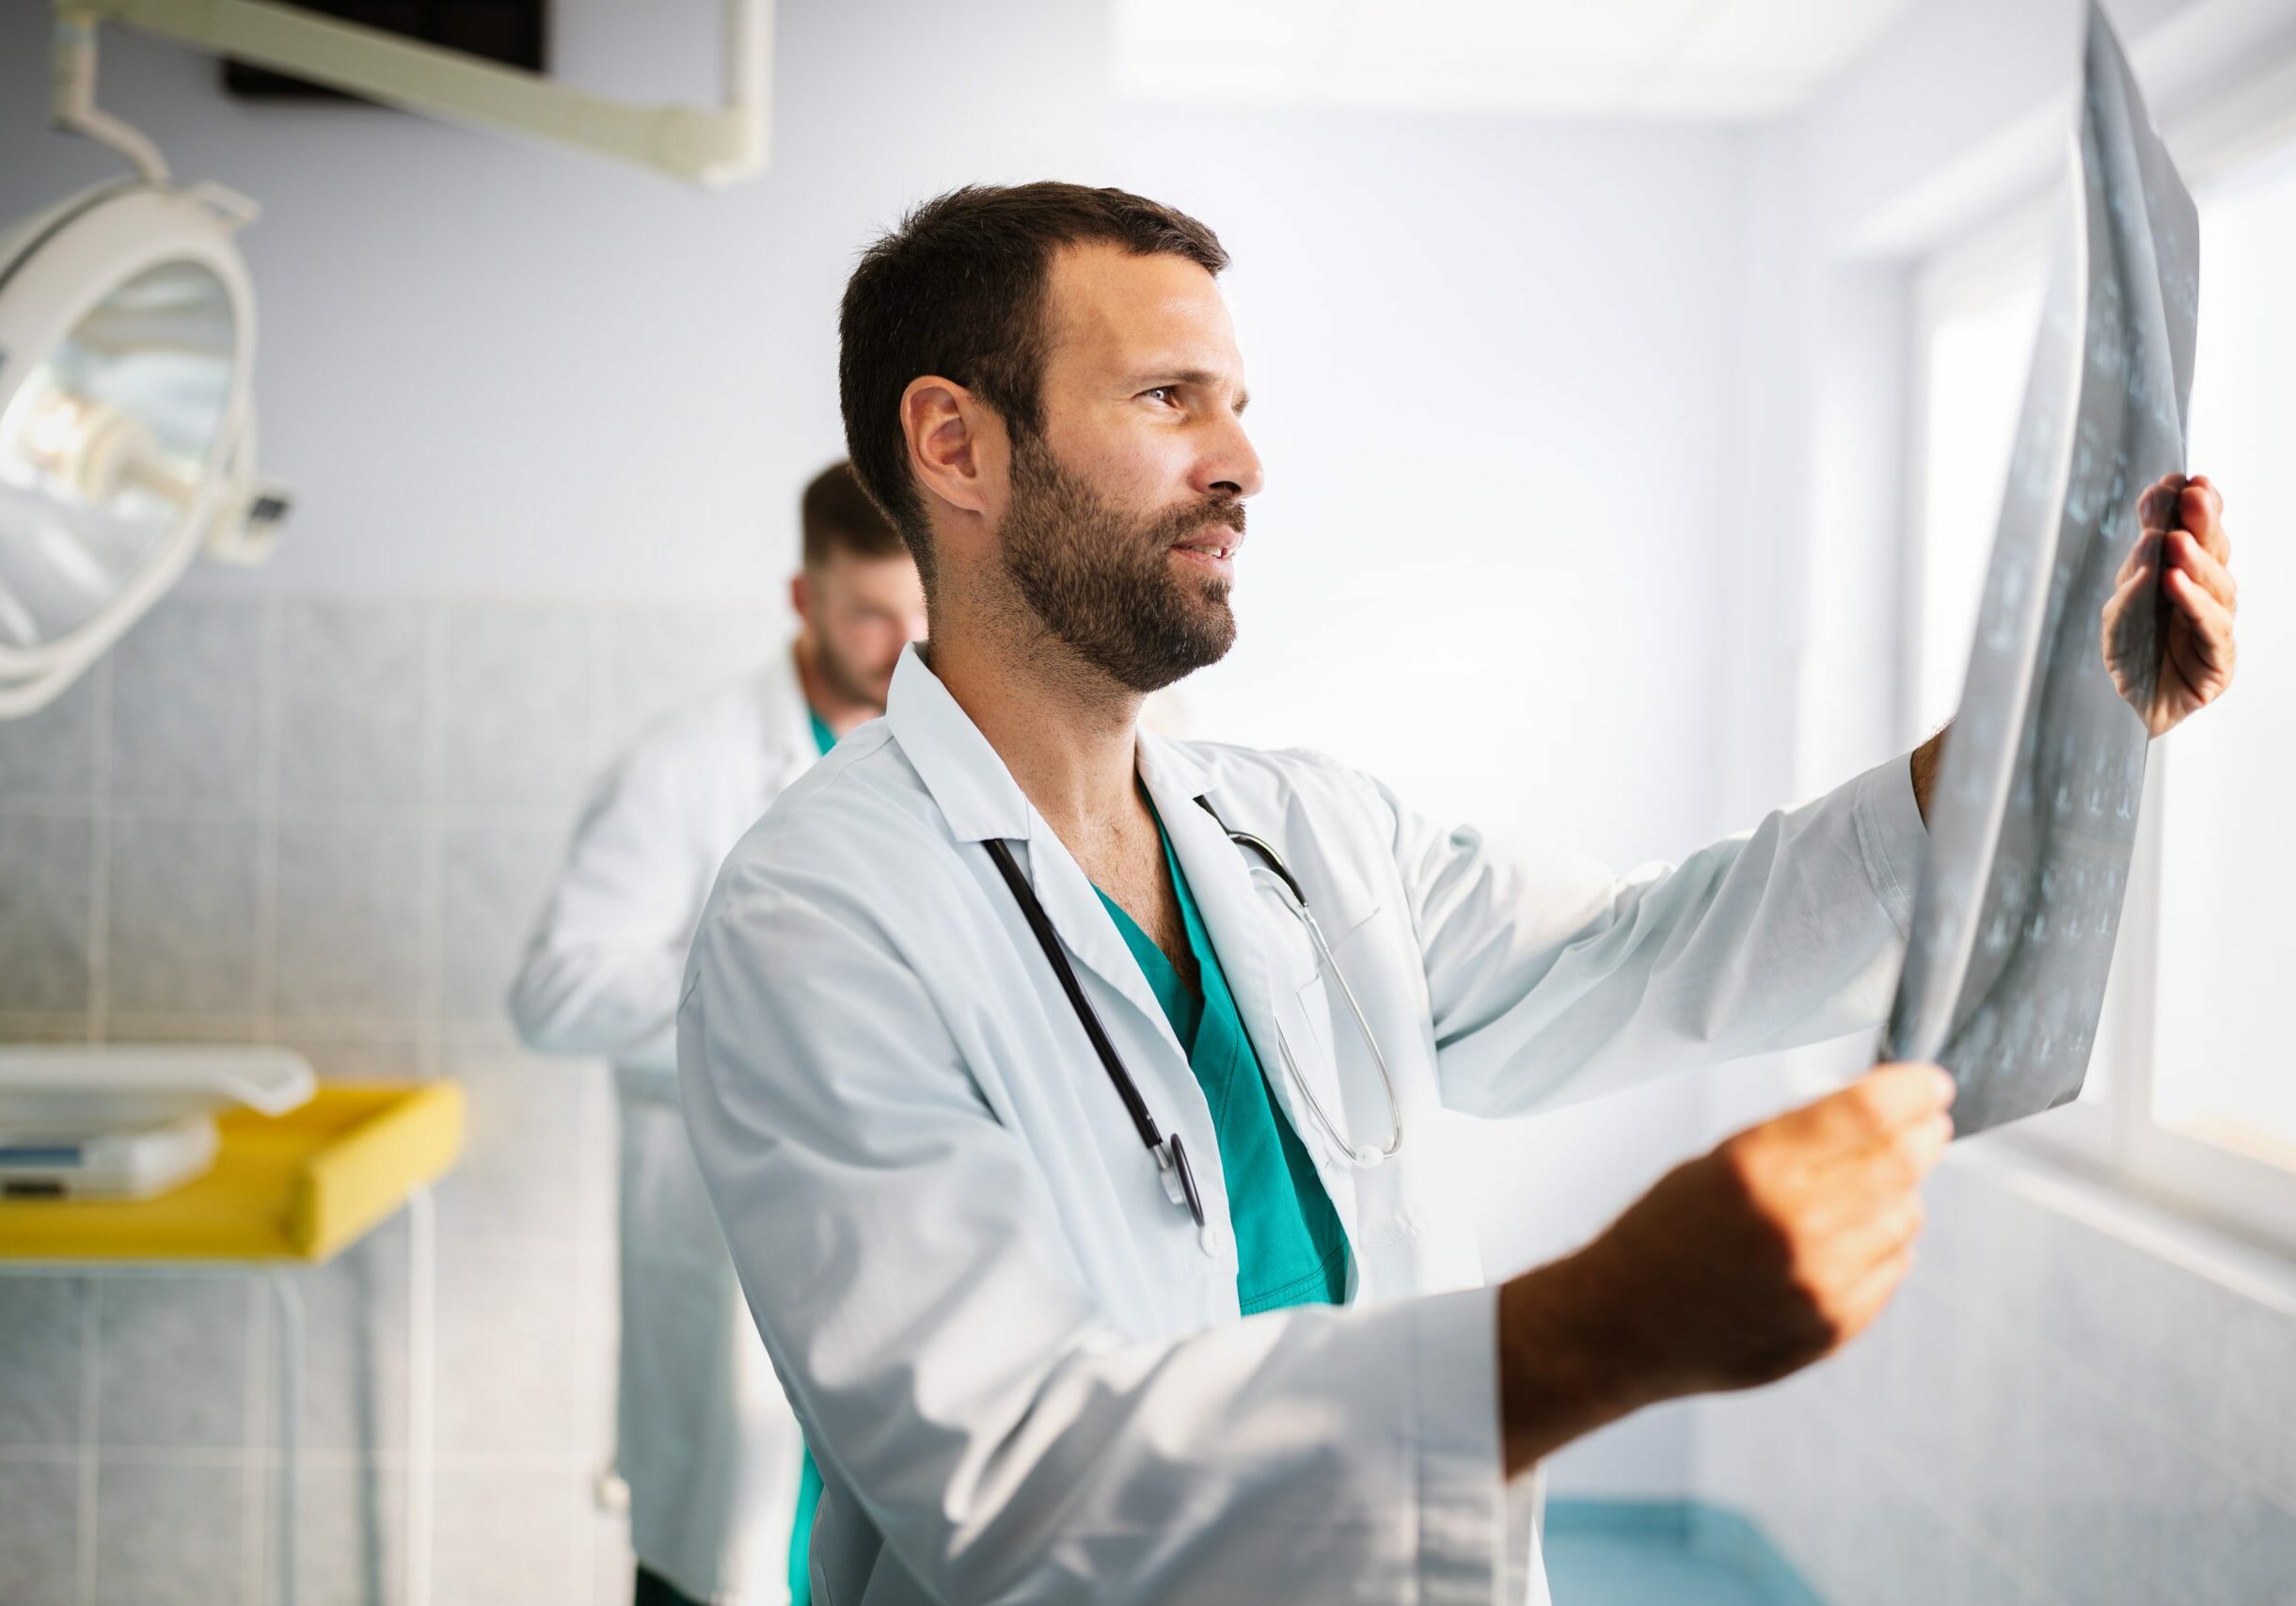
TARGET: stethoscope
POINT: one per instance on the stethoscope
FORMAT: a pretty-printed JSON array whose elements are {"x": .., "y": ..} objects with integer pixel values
[{"x": 1171, "y": 1156}]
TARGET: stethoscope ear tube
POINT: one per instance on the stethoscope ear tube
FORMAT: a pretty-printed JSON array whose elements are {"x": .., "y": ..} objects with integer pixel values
[
  {"x": 1363, "y": 1156},
  {"x": 1171, "y": 1156}
]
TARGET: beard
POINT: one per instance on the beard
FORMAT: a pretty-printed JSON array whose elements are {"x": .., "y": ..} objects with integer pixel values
[
  {"x": 1101, "y": 580},
  {"x": 850, "y": 684}
]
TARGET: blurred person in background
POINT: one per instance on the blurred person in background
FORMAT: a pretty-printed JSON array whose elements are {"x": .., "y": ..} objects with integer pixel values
[{"x": 719, "y": 1479}]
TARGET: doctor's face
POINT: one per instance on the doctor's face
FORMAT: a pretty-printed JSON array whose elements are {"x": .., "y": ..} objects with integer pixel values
[
  {"x": 861, "y": 612},
  {"x": 1125, "y": 513}
]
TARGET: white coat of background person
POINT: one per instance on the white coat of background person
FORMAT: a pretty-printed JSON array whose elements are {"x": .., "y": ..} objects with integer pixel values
[
  {"x": 706, "y": 1444},
  {"x": 1018, "y": 1355}
]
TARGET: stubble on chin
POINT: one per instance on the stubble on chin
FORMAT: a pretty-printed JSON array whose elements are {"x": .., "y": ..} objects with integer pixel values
[{"x": 1103, "y": 584}]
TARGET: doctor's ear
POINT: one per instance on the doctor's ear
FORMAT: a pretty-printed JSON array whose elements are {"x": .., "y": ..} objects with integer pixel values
[{"x": 957, "y": 445}]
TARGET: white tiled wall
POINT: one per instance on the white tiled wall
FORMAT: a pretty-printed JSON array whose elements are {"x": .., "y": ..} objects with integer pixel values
[
  {"x": 327, "y": 824},
  {"x": 2057, "y": 1411}
]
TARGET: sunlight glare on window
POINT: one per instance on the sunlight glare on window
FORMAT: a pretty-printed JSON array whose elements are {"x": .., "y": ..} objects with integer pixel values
[
  {"x": 1977, "y": 356},
  {"x": 2222, "y": 1061}
]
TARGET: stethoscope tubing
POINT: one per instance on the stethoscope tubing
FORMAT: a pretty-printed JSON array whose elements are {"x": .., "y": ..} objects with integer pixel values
[
  {"x": 1170, "y": 1154},
  {"x": 1173, "y": 1162}
]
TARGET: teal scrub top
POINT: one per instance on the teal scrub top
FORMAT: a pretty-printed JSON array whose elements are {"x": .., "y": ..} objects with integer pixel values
[
  {"x": 809, "y": 1475},
  {"x": 1291, "y": 1249}
]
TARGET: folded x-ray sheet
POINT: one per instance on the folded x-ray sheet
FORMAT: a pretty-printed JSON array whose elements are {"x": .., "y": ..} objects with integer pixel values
[{"x": 2035, "y": 807}]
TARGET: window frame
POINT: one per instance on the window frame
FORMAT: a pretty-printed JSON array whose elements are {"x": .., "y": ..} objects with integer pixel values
[{"x": 2115, "y": 1138}]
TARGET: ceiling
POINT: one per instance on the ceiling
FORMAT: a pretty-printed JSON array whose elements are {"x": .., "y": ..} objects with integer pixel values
[{"x": 1738, "y": 60}]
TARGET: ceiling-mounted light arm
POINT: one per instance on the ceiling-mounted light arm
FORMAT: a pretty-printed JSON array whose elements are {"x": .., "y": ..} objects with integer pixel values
[
  {"x": 711, "y": 148},
  {"x": 71, "y": 83}
]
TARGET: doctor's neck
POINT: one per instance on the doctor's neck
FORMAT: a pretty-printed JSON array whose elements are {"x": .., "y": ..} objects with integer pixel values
[{"x": 1064, "y": 727}]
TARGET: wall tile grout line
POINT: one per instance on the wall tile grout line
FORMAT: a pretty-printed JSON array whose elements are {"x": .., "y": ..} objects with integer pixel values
[
  {"x": 600, "y": 719},
  {"x": 544, "y": 819},
  {"x": 1870, "y": 1449},
  {"x": 271, "y": 627},
  {"x": 313, "y": 1459},
  {"x": 431, "y": 944},
  {"x": 255, "y": 1366},
  {"x": 98, "y": 919},
  {"x": 99, "y": 855},
  {"x": 91, "y": 1404},
  {"x": 2079, "y": 1372}
]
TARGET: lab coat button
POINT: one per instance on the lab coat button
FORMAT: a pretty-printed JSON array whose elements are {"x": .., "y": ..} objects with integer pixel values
[{"x": 1208, "y": 1239}]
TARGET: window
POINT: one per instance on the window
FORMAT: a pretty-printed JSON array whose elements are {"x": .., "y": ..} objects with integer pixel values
[
  {"x": 2190, "y": 1093},
  {"x": 2226, "y": 960}
]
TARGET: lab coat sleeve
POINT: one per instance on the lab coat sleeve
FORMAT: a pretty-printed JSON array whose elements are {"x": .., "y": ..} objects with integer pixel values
[
  {"x": 1554, "y": 980},
  {"x": 909, "y": 1271},
  {"x": 602, "y": 968}
]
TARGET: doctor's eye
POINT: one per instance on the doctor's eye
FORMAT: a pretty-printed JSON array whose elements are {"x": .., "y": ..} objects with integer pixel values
[{"x": 1163, "y": 395}]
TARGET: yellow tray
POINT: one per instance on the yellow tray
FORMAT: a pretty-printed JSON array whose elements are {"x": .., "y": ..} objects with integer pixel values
[{"x": 297, "y": 1186}]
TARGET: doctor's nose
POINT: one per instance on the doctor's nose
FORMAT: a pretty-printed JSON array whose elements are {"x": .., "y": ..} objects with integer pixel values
[{"x": 1230, "y": 467}]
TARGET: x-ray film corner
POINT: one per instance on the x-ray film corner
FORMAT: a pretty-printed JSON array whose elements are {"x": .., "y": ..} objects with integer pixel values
[{"x": 2033, "y": 815}]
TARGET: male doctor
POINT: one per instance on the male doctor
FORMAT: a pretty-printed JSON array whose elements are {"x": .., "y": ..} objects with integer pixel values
[
  {"x": 1222, "y": 1336},
  {"x": 717, "y": 1472}
]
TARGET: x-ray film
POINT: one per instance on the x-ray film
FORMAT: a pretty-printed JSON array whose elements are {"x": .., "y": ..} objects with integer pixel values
[{"x": 2035, "y": 811}]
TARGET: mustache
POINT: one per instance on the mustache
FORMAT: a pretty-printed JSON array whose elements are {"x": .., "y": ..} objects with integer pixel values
[{"x": 1185, "y": 520}]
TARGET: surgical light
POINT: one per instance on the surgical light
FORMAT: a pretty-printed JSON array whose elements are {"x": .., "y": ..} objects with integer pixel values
[
  {"x": 126, "y": 334},
  {"x": 127, "y": 324}
]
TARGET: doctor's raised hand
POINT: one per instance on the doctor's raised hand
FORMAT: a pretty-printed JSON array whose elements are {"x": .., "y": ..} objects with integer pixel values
[
  {"x": 2167, "y": 631},
  {"x": 1739, "y": 1267}
]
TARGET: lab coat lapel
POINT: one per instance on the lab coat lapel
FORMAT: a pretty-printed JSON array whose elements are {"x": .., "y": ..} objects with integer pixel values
[
  {"x": 1253, "y": 952},
  {"x": 980, "y": 800},
  {"x": 1091, "y": 936}
]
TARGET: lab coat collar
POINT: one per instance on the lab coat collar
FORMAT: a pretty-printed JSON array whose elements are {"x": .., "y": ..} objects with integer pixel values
[
  {"x": 788, "y": 723},
  {"x": 980, "y": 800},
  {"x": 1170, "y": 771},
  {"x": 967, "y": 777}
]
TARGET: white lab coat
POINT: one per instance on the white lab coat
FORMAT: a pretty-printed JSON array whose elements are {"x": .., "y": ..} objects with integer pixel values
[
  {"x": 1020, "y": 1364},
  {"x": 707, "y": 1444}
]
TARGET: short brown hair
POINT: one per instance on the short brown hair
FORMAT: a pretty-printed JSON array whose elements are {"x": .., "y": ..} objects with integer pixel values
[
  {"x": 837, "y": 515},
  {"x": 958, "y": 290}
]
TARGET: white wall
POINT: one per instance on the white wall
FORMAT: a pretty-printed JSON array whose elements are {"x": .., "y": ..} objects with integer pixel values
[{"x": 1490, "y": 367}]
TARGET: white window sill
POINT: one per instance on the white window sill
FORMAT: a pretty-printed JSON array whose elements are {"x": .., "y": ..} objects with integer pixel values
[{"x": 2113, "y": 1204}]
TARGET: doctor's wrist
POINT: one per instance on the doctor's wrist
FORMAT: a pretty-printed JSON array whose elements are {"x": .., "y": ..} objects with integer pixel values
[{"x": 1564, "y": 1371}]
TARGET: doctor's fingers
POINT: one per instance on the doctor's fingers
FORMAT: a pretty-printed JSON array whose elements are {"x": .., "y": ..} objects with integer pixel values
[
  {"x": 1888, "y": 1164},
  {"x": 1874, "y": 1204},
  {"x": 1884, "y": 1101},
  {"x": 2186, "y": 553},
  {"x": 2200, "y": 508},
  {"x": 1842, "y": 1246},
  {"x": 1872, "y": 1294},
  {"x": 2156, "y": 509},
  {"x": 2205, "y": 653},
  {"x": 2145, "y": 552}
]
